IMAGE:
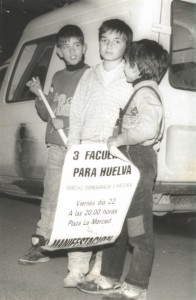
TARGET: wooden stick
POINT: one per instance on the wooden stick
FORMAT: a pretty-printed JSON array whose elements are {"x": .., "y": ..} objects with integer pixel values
[{"x": 60, "y": 131}]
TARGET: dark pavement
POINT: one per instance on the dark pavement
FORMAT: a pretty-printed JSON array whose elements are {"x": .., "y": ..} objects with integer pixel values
[{"x": 173, "y": 275}]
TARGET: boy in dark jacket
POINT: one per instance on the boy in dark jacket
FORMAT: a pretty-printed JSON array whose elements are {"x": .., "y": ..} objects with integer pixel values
[{"x": 71, "y": 48}]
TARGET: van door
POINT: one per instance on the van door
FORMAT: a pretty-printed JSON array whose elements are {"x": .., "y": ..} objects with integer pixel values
[
  {"x": 176, "y": 160},
  {"x": 23, "y": 152}
]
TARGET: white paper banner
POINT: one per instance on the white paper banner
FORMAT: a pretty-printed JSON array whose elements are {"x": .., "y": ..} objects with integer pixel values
[{"x": 95, "y": 194}]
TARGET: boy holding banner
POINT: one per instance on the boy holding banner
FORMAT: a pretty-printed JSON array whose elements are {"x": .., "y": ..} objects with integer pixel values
[
  {"x": 142, "y": 129},
  {"x": 100, "y": 94},
  {"x": 71, "y": 48}
]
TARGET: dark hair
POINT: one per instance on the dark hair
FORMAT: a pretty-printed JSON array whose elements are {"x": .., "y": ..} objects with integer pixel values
[
  {"x": 116, "y": 25},
  {"x": 67, "y": 32},
  {"x": 150, "y": 57}
]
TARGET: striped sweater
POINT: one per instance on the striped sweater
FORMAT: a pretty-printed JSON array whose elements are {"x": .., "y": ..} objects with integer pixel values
[{"x": 96, "y": 104}]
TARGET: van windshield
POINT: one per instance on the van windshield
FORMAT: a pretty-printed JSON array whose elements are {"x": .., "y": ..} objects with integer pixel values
[{"x": 33, "y": 61}]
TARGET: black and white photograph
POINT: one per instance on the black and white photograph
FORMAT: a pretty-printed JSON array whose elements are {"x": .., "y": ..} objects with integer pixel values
[{"x": 97, "y": 149}]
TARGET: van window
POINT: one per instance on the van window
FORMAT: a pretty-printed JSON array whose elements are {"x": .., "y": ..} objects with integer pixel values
[
  {"x": 182, "y": 72},
  {"x": 33, "y": 61}
]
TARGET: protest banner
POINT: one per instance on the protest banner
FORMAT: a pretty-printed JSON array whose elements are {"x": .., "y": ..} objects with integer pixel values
[{"x": 95, "y": 193}]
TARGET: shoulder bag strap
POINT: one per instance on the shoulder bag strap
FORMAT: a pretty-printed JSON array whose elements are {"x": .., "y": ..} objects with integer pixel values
[{"x": 123, "y": 111}]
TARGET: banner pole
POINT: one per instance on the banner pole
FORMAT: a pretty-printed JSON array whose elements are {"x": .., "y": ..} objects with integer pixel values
[{"x": 61, "y": 132}]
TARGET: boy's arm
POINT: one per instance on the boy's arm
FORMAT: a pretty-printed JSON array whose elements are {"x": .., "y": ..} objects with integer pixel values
[
  {"x": 146, "y": 126},
  {"x": 34, "y": 86},
  {"x": 41, "y": 108}
]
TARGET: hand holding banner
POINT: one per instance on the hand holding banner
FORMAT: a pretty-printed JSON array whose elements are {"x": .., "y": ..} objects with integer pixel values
[{"x": 117, "y": 153}]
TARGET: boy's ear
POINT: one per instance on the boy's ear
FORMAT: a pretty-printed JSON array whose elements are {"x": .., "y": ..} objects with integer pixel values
[
  {"x": 84, "y": 48},
  {"x": 136, "y": 70},
  {"x": 59, "y": 53}
]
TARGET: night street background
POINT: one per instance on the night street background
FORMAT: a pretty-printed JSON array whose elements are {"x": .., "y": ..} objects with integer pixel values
[{"x": 15, "y": 15}]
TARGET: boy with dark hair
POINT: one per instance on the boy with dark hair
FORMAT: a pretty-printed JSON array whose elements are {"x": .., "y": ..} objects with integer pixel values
[
  {"x": 142, "y": 129},
  {"x": 71, "y": 48},
  {"x": 118, "y": 26},
  {"x": 100, "y": 94}
]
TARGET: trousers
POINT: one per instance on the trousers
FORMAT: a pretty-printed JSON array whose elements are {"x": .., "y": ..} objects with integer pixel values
[
  {"x": 52, "y": 179},
  {"x": 137, "y": 231}
]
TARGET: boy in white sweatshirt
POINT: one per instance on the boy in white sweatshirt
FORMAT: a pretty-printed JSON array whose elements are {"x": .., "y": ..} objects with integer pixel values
[{"x": 95, "y": 107}]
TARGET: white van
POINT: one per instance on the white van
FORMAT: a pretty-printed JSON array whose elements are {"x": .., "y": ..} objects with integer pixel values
[{"x": 23, "y": 152}]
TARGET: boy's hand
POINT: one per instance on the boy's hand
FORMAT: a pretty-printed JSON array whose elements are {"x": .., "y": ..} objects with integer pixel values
[
  {"x": 34, "y": 86},
  {"x": 111, "y": 142},
  {"x": 57, "y": 123}
]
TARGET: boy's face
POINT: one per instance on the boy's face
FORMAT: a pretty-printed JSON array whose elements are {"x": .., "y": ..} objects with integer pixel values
[
  {"x": 71, "y": 50},
  {"x": 112, "y": 46},
  {"x": 131, "y": 72}
]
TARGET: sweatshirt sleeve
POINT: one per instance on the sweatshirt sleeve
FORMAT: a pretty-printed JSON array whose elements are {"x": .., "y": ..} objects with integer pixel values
[
  {"x": 41, "y": 108},
  {"x": 145, "y": 126},
  {"x": 77, "y": 110}
]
